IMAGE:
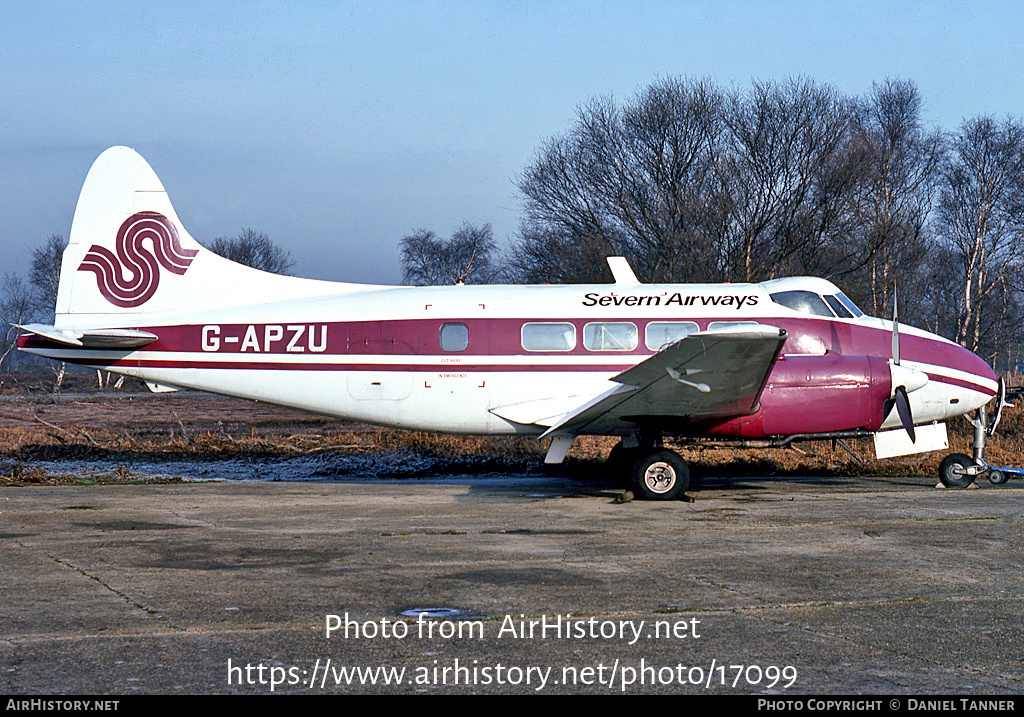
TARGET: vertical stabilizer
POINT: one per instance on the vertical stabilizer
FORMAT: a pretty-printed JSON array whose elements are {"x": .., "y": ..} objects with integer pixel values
[{"x": 129, "y": 255}]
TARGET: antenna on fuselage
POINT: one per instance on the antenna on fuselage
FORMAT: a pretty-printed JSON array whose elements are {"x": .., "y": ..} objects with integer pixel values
[{"x": 622, "y": 272}]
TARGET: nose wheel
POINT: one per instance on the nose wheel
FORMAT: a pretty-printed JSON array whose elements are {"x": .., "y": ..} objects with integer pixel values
[{"x": 958, "y": 470}]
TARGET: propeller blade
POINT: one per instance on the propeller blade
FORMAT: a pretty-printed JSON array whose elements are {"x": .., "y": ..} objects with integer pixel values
[
  {"x": 903, "y": 408},
  {"x": 1000, "y": 402},
  {"x": 895, "y": 332}
]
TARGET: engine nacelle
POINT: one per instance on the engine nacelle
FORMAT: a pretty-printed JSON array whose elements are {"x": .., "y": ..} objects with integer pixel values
[
  {"x": 817, "y": 394},
  {"x": 820, "y": 394}
]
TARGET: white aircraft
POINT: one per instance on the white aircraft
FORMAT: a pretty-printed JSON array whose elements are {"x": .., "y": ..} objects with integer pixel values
[{"x": 764, "y": 364}]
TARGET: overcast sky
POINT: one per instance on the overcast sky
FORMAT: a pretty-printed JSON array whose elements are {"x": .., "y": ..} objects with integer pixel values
[{"x": 338, "y": 127}]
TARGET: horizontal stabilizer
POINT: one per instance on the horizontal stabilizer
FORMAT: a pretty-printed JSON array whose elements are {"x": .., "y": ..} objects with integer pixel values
[{"x": 92, "y": 338}]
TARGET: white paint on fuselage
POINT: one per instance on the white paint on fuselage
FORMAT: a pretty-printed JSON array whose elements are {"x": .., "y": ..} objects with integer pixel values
[{"x": 460, "y": 400}]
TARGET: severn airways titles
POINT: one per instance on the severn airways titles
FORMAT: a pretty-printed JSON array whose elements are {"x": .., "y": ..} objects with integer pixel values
[{"x": 676, "y": 299}]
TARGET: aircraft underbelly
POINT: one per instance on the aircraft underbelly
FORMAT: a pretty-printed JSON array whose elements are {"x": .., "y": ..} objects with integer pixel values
[{"x": 455, "y": 402}]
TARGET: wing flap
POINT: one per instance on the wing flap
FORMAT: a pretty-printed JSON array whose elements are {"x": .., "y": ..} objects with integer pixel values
[{"x": 539, "y": 412}]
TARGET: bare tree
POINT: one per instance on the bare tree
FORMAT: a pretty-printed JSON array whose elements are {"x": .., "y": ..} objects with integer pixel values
[
  {"x": 628, "y": 181},
  {"x": 692, "y": 185},
  {"x": 254, "y": 249},
  {"x": 781, "y": 191},
  {"x": 44, "y": 274},
  {"x": 901, "y": 163},
  {"x": 16, "y": 307},
  {"x": 545, "y": 255},
  {"x": 465, "y": 258},
  {"x": 981, "y": 222}
]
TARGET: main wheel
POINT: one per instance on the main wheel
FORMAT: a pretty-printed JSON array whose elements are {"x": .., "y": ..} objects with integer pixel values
[
  {"x": 953, "y": 471},
  {"x": 659, "y": 475}
]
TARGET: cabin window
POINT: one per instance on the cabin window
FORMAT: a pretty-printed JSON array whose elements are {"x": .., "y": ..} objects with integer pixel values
[
  {"x": 454, "y": 337},
  {"x": 549, "y": 336},
  {"x": 610, "y": 336},
  {"x": 806, "y": 302},
  {"x": 660, "y": 334},
  {"x": 730, "y": 324}
]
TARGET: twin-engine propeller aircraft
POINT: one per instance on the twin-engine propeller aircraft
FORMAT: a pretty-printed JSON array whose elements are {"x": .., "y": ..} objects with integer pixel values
[{"x": 756, "y": 364}]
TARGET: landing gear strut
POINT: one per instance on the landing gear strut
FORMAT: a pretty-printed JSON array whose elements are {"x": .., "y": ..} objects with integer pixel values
[{"x": 958, "y": 470}]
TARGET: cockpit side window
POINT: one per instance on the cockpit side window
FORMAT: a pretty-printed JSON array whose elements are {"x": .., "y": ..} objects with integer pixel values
[
  {"x": 837, "y": 306},
  {"x": 849, "y": 305},
  {"x": 806, "y": 302}
]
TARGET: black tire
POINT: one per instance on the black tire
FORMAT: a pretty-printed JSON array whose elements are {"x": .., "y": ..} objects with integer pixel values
[
  {"x": 620, "y": 463},
  {"x": 659, "y": 475},
  {"x": 951, "y": 471},
  {"x": 997, "y": 477}
]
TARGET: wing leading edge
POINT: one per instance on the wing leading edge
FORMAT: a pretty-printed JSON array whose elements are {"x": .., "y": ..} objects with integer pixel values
[{"x": 709, "y": 374}]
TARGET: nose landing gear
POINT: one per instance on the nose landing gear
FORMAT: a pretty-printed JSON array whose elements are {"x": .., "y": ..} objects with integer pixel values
[{"x": 959, "y": 471}]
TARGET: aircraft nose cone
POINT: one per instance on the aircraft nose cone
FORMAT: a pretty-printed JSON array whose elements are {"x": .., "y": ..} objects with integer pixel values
[
  {"x": 972, "y": 372},
  {"x": 977, "y": 366}
]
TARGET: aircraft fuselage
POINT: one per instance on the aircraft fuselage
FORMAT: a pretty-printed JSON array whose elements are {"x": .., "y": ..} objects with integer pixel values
[{"x": 453, "y": 358}]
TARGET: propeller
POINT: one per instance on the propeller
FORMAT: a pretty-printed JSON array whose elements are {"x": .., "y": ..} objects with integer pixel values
[
  {"x": 901, "y": 377},
  {"x": 903, "y": 408},
  {"x": 1000, "y": 403},
  {"x": 895, "y": 329}
]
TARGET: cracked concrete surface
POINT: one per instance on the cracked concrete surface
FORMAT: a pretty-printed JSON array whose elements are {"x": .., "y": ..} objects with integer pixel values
[{"x": 860, "y": 585}]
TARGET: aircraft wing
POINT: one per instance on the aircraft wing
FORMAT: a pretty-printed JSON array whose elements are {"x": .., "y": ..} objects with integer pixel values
[{"x": 709, "y": 374}]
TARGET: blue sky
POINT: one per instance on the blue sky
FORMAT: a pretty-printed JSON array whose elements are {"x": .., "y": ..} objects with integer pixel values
[{"x": 337, "y": 128}]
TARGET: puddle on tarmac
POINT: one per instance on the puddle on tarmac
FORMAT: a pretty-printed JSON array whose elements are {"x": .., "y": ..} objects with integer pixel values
[{"x": 321, "y": 467}]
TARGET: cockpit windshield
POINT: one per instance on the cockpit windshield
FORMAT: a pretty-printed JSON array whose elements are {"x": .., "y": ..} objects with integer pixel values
[
  {"x": 808, "y": 302},
  {"x": 837, "y": 306}
]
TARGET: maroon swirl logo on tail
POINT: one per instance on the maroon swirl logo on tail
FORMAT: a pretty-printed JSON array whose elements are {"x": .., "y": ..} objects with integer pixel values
[{"x": 131, "y": 276}]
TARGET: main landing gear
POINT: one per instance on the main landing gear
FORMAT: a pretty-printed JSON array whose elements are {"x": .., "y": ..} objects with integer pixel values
[{"x": 651, "y": 471}]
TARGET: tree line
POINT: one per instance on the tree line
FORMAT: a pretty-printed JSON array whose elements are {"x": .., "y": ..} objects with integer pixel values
[{"x": 695, "y": 183}]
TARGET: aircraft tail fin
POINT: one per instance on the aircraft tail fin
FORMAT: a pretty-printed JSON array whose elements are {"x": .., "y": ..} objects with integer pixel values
[{"x": 129, "y": 255}]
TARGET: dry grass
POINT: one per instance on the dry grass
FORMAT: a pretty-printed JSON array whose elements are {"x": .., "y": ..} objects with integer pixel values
[{"x": 122, "y": 429}]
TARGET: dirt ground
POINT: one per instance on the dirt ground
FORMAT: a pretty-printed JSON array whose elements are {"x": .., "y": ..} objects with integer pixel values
[{"x": 83, "y": 423}]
